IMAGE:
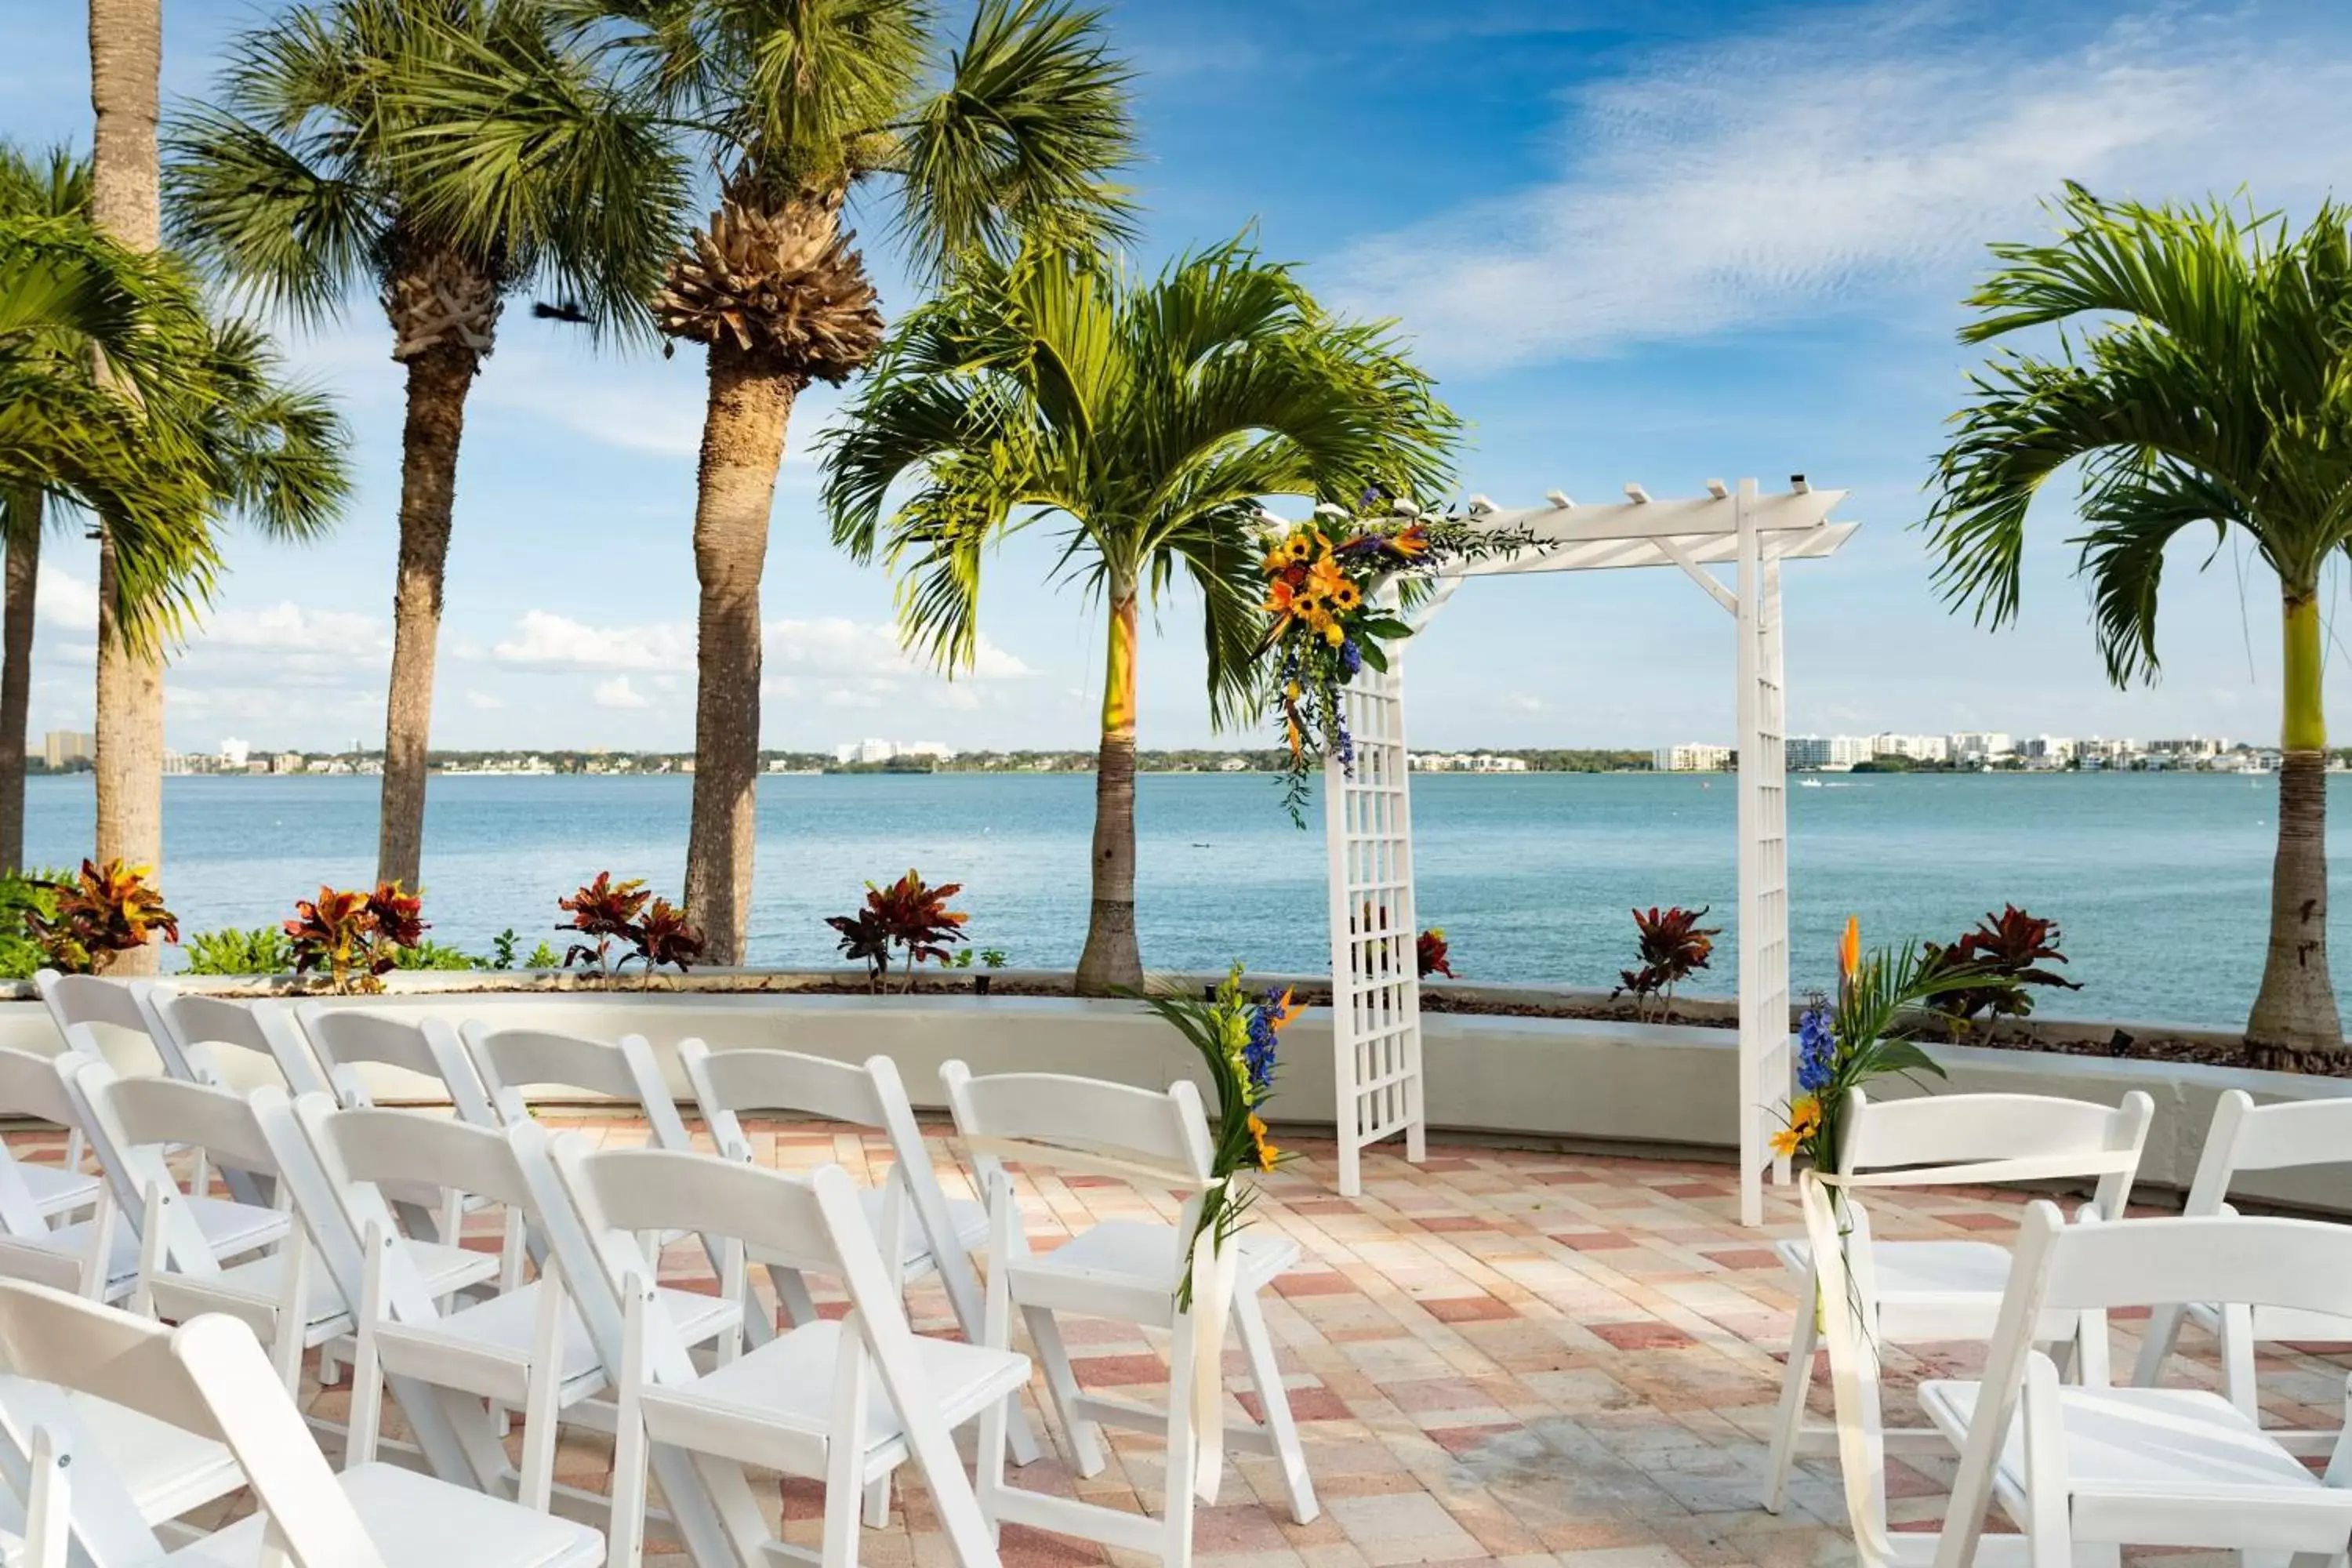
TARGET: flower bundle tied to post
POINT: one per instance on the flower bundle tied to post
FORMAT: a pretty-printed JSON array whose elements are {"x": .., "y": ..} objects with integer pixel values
[
  {"x": 1238, "y": 1035},
  {"x": 1335, "y": 586}
]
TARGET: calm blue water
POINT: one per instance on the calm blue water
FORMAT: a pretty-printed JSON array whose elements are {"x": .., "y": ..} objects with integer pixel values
[{"x": 2160, "y": 882}]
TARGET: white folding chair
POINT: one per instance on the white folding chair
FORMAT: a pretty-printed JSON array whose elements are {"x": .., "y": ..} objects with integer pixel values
[
  {"x": 806, "y": 1402},
  {"x": 197, "y": 1026},
  {"x": 525, "y": 1349},
  {"x": 208, "y": 1378},
  {"x": 93, "y": 1003},
  {"x": 1946, "y": 1291},
  {"x": 32, "y": 1194},
  {"x": 509, "y": 1061},
  {"x": 347, "y": 1041},
  {"x": 2249, "y": 1137},
  {"x": 1126, "y": 1270},
  {"x": 2085, "y": 1470},
  {"x": 97, "y": 1257}
]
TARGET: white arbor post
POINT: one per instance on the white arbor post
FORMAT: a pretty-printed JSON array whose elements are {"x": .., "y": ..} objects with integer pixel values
[
  {"x": 1375, "y": 930},
  {"x": 1765, "y": 1068}
]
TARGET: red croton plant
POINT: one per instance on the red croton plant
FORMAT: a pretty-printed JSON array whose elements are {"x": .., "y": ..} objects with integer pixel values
[
  {"x": 2011, "y": 946},
  {"x": 355, "y": 936},
  {"x": 105, "y": 910},
  {"x": 1433, "y": 954},
  {"x": 1673, "y": 947},
  {"x": 908, "y": 915},
  {"x": 623, "y": 921}
]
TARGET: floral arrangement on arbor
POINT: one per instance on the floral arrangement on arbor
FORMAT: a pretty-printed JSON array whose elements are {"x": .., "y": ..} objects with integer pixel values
[
  {"x": 1847, "y": 1042},
  {"x": 355, "y": 936},
  {"x": 654, "y": 931},
  {"x": 1673, "y": 946},
  {"x": 1238, "y": 1035},
  {"x": 908, "y": 915},
  {"x": 1328, "y": 616},
  {"x": 104, "y": 911}
]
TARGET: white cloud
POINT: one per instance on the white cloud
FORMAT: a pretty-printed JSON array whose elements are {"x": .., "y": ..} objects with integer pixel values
[
  {"x": 484, "y": 701},
  {"x": 545, "y": 640},
  {"x": 288, "y": 628},
  {"x": 618, "y": 693},
  {"x": 832, "y": 646},
  {"x": 1786, "y": 176},
  {"x": 64, "y": 601}
]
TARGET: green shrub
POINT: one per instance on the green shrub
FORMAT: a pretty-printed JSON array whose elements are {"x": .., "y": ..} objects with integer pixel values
[
  {"x": 430, "y": 955},
  {"x": 261, "y": 950},
  {"x": 22, "y": 894}
]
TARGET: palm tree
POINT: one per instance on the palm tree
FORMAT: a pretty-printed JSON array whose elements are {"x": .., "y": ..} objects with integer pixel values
[
  {"x": 802, "y": 104},
  {"x": 447, "y": 152},
  {"x": 119, "y": 396},
  {"x": 54, "y": 186},
  {"x": 1149, "y": 417},
  {"x": 2210, "y": 388},
  {"x": 126, "y": 68}
]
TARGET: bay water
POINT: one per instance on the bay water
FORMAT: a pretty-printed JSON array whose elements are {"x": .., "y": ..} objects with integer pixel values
[{"x": 2160, "y": 881}]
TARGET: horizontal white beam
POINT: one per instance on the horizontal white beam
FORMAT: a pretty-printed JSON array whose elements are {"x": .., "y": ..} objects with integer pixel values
[{"x": 1610, "y": 554}]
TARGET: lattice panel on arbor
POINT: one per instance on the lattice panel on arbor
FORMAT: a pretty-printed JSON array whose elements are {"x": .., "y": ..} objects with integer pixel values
[
  {"x": 1767, "y": 1068},
  {"x": 1375, "y": 959}
]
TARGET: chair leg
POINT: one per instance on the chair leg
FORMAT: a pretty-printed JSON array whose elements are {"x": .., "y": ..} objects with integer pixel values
[
  {"x": 988, "y": 1461},
  {"x": 1249, "y": 1320},
  {"x": 624, "y": 1531},
  {"x": 877, "y": 1502},
  {"x": 1086, "y": 1442},
  {"x": 1788, "y": 1420},
  {"x": 1184, "y": 1445}
]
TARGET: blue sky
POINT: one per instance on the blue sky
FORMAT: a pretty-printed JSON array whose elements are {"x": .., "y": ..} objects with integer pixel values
[{"x": 1661, "y": 242}]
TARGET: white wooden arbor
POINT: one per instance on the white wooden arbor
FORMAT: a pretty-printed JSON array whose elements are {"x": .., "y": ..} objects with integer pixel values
[{"x": 1368, "y": 811}]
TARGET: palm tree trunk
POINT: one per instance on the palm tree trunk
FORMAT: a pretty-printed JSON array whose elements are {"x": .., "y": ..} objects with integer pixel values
[
  {"x": 1111, "y": 958},
  {"x": 438, "y": 380},
  {"x": 23, "y": 570},
  {"x": 2295, "y": 1012},
  {"x": 126, "y": 66},
  {"x": 742, "y": 445}
]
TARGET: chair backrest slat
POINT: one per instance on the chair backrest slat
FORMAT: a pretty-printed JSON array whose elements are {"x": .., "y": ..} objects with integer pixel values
[
  {"x": 163, "y": 1110},
  {"x": 408, "y": 1148},
  {"x": 766, "y": 1080},
  {"x": 1981, "y": 1130},
  {"x": 198, "y": 1023},
  {"x": 347, "y": 1039},
  {"x": 640, "y": 1189},
  {"x": 2301, "y": 1264},
  {"x": 508, "y": 1061},
  {"x": 91, "y": 999},
  {"x": 1059, "y": 1114}
]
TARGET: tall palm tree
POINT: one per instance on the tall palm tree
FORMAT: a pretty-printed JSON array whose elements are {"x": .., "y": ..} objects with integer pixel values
[
  {"x": 119, "y": 395},
  {"x": 55, "y": 186},
  {"x": 801, "y": 105},
  {"x": 446, "y": 153},
  {"x": 2210, "y": 387},
  {"x": 126, "y": 70},
  {"x": 1149, "y": 417}
]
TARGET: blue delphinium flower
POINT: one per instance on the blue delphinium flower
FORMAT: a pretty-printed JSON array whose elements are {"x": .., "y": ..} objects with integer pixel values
[
  {"x": 1258, "y": 1055},
  {"x": 1816, "y": 1046},
  {"x": 1351, "y": 658}
]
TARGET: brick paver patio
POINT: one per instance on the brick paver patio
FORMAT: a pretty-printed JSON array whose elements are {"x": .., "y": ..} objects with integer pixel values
[{"x": 1495, "y": 1355}]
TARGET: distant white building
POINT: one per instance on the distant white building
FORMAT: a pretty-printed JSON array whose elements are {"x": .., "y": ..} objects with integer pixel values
[
  {"x": 1918, "y": 747},
  {"x": 1826, "y": 753},
  {"x": 1692, "y": 757},
  {"x": 1233, "y": 765},
  {"x": 2190, "y": 749},
  {"x": 1465, "y": 763},
  {"x": 2046, "y": 751},
  {"x": 1977, "y": 748},
  {"x": 235, "y": 753},
  {"x": 891, "y": 751}
]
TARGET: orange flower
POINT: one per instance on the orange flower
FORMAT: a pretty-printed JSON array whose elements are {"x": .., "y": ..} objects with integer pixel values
[
  {"x": 1279, "y": 1016},
  {"x": 1345, "y": 597},
  {"x": 1265, "y": 1147},
  {"x": 1280, "y": 597},
  {"x": 1850, "y": 948},
  {"x": 1804, "y": 1120},
  {"x": 1410, "y": 542},
  {"x": 1327, "y": 578}
]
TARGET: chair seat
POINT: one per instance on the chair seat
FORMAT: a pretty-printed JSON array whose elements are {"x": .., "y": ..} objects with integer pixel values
[
  {"x": 231, "y": 1227},
  {"x": 507, "y": 1323},
  {"x": 968, "y": 1219},
  {"x": 789, "y": 1382},
  {"x": 1934, "y": 1290},
  {"x": 1137, "y": 1253},
  {"x": 2160, "y": 1458},
  {"x": 445, "y": 1269},
  {"x": 167, "y": 1470},
  {"x": 56, "y": 1190},
  {"x": 418, "y": 1521}
]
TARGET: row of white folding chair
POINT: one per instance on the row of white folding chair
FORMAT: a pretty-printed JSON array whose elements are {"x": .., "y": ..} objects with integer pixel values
[
  {"x": 2085, "y": 1469},
  {"x": 1948, "y": 1291},
  {"x": 207, "y": 1381}
]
